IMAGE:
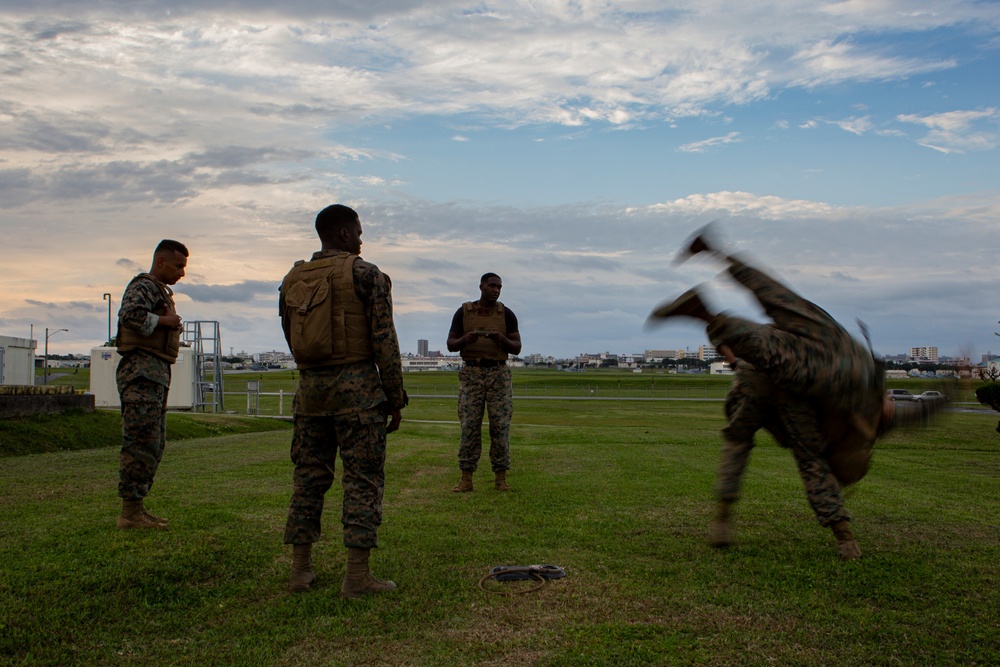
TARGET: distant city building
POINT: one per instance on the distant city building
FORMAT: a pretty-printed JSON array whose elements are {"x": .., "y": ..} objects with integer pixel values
[
  {"x": 720, "y": 368},
  {"x": 707, "y": 353},
  {"x": 439, "y": 363},
  {"x": 924, "y": 354},
  {"x": 536, "y": 359},
  {"x": 422, "y": 347}
]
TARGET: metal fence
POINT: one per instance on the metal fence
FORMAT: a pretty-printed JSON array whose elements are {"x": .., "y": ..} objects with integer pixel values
[{"x": 279, "y": 403}]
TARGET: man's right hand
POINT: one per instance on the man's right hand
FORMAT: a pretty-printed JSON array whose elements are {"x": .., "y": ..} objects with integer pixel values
[
  {"x": 170, "y": 321},
  {"x": 395, "y": 419}
]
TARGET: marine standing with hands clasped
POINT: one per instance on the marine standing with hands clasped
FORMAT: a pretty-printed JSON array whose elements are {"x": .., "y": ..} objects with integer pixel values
[
  {"x": 485, "y": 332},
  {"x": 149, "y": 334},
  {"x": 336, "y": 314}
]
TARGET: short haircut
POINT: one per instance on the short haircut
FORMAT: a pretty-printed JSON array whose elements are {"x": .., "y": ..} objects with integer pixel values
[
  {"x": 168, "y": 244},
  {"x": 487, "y": 276},
  {"x": 334, "y": 217}
]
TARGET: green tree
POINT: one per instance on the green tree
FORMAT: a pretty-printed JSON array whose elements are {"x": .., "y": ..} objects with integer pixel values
[{"x": 989, "y": 393}]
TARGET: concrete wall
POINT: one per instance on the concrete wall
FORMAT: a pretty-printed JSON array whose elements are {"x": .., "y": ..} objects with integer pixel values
[{"x": 26, "y": 400}]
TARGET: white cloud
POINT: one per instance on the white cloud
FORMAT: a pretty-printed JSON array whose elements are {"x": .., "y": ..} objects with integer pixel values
[
  {"x": 701, "y": 146},
  {"x": 959, "y": 131},
  {"x": 827, "y": 62},
  {"x": 745, "y": 203},
  {"x": 854, "y": 125}
]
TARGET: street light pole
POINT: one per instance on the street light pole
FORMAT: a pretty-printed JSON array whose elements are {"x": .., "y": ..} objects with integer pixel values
[
  {"x": 107, "y": 295},
  {"x": 45, "y": 370}
]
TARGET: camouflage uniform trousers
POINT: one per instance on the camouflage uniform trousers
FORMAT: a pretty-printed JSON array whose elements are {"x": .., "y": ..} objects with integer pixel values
[
  {"x": 805, "y": 351},
  {"x": 360, "y": 439},
  {"x": 752, "y": 404},
  {"x": 144, "y": 426},
  {"x": 488, "y": 388}
]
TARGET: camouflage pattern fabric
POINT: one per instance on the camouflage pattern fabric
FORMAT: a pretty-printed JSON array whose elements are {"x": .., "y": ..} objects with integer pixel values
[
  {"x": 489, "y": 389},
  {"x": 343, "y": 409},
  {"x": 360, "y": 439},
  {"x": 752, "y": 404},
  {"x": 805, "y": 351},
  {"x": 144, "y": 413},
  {"x": 139, "y": 301}
]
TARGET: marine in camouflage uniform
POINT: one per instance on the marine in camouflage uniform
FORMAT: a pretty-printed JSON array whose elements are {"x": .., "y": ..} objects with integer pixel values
[
  {"x": 753, "y": 404},
  {"x": 485, "y": 332},
  {"x": 818, "y": 387},
  {"x": 343, "y": 398},
  {"x": 148, "y": 338}
]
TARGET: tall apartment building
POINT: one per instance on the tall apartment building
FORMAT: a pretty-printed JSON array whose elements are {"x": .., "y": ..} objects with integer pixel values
[
  {"x": 928, "y": 354},
  {"x": 421, "y": 347},
  {"x": 707, "y": 353}
]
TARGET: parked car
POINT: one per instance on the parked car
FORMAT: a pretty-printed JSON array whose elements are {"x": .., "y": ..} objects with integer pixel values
[
  {"x": 931, "y": 396},
  {"x": 900, "y": 395}
]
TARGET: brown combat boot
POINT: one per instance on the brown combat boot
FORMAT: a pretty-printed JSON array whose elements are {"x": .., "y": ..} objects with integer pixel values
[
  {"x": 302, "y": 570},
  {"x": 702, "y": 241},
  {"x": 688, "y": 304},
  {"x": 466, "y": 484},
  {"x": 150, "y": 516},
  {"x": 847, "y": 547},
  {"x": 500, "y": 482},
  {"x": 133, "y": 517},
  {"x": 359, "y": 581},
  {"x": 721, "y": 535}
]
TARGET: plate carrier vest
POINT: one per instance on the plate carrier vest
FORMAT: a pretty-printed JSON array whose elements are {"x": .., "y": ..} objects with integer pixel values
[
  {"x": 163, "y": 343},
  {"x": 494, "y": 320},
  {"x": 329, "y": 324}
]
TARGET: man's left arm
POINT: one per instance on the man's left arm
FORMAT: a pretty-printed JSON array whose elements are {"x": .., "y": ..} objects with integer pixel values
[
  {"x": 384, "y": 340},
  {"x": 286, "y": 325}
]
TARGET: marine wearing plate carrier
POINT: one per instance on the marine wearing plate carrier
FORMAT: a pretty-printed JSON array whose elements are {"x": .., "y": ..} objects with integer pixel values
[
  {"x": 148, "y": 340},
  {"x": 336, "y": 315},
  {"x": 484, "y": 332}
]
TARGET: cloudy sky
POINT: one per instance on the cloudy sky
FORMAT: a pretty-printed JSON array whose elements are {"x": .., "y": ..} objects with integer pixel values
[{"x": 571, "y": 147}]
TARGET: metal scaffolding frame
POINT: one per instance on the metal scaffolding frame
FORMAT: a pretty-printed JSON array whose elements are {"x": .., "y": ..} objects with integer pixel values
[{"x": 206, "y": 346}]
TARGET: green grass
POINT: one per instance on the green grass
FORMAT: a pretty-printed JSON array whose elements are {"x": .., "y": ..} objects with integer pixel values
[
  {"x": 77, "y": 430},
  {"x": 78, "y": 378},
  {"x": 617, "y": 493}
]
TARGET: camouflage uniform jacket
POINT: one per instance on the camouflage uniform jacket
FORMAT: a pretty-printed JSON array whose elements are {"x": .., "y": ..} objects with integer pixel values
[
  {"x": 362, "y": 385},
  {"x": 139, "y": 301}
]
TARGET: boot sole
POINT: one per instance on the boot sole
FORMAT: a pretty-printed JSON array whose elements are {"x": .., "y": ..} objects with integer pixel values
[{"x": 139, "y": 525}]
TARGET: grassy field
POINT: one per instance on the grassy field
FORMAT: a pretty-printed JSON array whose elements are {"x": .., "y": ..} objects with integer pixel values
[
  {"x": 619, "y": 493},
  {"x": 77, "y": 429}
]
